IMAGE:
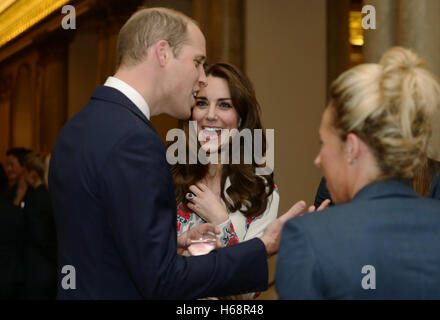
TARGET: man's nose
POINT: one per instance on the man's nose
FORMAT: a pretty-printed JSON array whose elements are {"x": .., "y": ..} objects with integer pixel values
[{"x": 203, "y": 81}]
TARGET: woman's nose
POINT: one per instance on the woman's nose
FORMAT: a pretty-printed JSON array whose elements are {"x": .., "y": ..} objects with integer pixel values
[{"x": 212, "y": 113}]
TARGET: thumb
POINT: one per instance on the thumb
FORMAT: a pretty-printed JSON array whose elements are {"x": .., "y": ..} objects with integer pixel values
[{"x": 294, "y": 211}]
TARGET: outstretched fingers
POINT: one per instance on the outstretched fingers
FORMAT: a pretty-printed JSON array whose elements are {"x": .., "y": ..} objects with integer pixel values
[
  {"x": 324, "y": 205},
  {"x": 296, "y": 210}
]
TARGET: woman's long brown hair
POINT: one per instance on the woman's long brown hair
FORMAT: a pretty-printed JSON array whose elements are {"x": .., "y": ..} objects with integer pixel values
[{"x": 247, "y": 189}]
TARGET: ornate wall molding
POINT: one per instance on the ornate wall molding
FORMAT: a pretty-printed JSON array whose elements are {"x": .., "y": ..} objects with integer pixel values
[{"x": 23, "y": 14}]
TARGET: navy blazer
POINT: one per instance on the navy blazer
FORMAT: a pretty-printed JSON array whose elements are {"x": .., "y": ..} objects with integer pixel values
[
  {"x": 323, "y": 193},
  {"x": 326, "y": 255},
  {"x": 115, "y": 212}
]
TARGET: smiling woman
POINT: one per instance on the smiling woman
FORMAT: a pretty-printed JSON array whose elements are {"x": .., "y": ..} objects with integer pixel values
[
  {"x": 232, "y": 196},
  {"x": 214, "y": 112}
]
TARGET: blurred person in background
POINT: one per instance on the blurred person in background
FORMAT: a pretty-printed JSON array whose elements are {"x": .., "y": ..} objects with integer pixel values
[
  {"x": 12, "y": 240},
  {"x": 14, "y": 170},
  {"x": 40, "y": 231}
]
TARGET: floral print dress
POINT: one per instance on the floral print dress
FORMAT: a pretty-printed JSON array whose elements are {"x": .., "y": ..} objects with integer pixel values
[{"x": 237, "y": 228}]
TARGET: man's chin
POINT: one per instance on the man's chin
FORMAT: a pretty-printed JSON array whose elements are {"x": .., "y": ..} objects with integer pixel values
[{"x": 182, "y": 115}]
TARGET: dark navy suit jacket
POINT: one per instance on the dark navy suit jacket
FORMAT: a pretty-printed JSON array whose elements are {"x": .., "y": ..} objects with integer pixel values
[
  {"x": 115, "y": 212},
  {"x": 387, "y": 226}
]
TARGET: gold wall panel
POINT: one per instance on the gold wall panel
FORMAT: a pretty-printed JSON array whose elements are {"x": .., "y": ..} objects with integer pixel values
[{"x": 20, "y": 15}]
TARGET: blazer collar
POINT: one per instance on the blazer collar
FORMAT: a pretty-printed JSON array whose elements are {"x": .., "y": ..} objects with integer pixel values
[
  {"x": 386, "y": 188},
  {"x": 113, "y": 95}
]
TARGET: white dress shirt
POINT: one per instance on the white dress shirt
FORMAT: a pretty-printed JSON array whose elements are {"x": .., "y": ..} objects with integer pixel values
[{"x": 130, "y": 93}]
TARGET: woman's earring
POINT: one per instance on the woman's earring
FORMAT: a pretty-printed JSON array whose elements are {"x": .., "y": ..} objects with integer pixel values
[{"x": 239, "y": 123}]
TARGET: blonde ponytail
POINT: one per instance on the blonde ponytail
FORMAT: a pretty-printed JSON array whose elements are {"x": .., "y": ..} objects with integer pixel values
[{"x": 389, "y": 106}]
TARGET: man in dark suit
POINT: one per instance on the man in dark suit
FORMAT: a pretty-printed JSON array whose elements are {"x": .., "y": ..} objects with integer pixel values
[{"x": 112, "y": 190}]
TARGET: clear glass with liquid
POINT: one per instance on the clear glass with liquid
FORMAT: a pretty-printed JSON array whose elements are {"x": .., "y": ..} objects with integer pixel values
[{"x": 203, "y": 245}]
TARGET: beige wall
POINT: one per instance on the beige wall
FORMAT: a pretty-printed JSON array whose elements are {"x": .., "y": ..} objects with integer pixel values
[
  {"x": 82, "y": 70},
  {"x": 286, "y": 61}
]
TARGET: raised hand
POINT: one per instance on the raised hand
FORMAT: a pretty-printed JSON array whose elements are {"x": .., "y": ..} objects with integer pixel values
[
  {"x": 272, "y": 235},
  {"x": 206, "y": 204}
]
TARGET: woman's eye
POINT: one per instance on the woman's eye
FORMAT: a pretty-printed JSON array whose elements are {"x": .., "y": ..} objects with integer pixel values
[
  {"x": 225, "y": 105},
  {"x": 201, "y": 103}
]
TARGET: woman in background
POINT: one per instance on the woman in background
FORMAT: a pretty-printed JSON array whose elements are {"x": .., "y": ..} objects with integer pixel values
[
  {"x": 15, "y": 172},
  {"x": 426, "y": 181},
  {"x": 381, "y": 240}
]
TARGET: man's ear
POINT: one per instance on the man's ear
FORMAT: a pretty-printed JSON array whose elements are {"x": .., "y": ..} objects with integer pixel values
[
  {"x": 162, "y": 51},
  {"x": 353, "y": 147}
]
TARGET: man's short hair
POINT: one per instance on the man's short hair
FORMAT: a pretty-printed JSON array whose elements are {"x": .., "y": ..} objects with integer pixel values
[{"x": 145, "y": 28}]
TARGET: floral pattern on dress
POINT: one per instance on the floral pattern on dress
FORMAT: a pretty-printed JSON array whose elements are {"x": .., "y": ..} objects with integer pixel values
[
  {"x": 229, "y": 237},
  {"x": 183, "y": 217},
  {"x": 252, "y": 219}
]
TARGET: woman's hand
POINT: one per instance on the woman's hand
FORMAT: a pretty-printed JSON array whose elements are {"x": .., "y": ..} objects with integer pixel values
[
  {"x": 271, "y": 237},
  {"x": 184, "y": 240},
  {"x": 206, "y": 204}
]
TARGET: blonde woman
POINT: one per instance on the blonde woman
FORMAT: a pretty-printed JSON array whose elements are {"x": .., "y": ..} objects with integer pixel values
[{"x": 381, "y": 240}]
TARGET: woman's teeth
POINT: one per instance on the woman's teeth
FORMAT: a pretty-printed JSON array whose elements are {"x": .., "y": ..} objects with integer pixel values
[
  {"x": 211, "y": 133},
  {"x": 212, "y": 129}
]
